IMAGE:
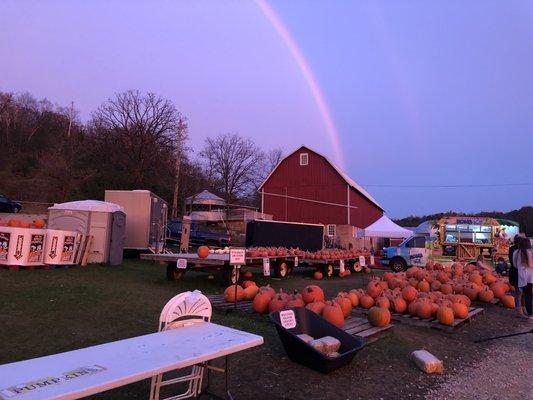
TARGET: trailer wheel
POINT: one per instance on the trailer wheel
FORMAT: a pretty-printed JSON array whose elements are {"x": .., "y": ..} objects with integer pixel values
[
  {"x": 231, "y": 275},
  {"x": 398, "y": 264},
  {"x": 327, "y": 270},
  {"x": 281, "y": 269},
  {"x": 173, "y": 273},
  {"x": 356, "y": 267}
]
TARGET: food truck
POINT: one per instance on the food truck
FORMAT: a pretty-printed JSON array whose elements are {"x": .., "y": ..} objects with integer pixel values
[{"x": 452, "y": 238}]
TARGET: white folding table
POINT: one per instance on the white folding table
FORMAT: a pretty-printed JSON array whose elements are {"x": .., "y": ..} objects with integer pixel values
[{"x": 79, "y": 373}]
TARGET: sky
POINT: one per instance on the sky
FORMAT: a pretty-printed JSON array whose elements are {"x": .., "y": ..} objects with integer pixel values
[{"x": 400, "y": 94}]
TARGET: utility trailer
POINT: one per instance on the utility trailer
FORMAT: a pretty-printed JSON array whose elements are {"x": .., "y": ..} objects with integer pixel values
[{"x": 280, "y": 265}]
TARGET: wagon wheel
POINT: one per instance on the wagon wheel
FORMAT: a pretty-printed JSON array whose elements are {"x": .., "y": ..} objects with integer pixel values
[
  {"x": 173, "y": 273},
  {"x": 327, "y": 270},
  {"x": 281, "y": 269},
  {"x": 356, "y": 267}
]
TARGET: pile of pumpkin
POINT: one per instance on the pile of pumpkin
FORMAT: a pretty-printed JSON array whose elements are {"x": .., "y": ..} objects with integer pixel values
[
  {"x": 325, "y": 254},
  {"x": 265, "y": 300},
  {"x": 18, "y": 223}
]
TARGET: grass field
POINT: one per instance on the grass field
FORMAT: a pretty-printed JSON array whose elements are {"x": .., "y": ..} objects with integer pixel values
[{"x": 48, "y": 311}]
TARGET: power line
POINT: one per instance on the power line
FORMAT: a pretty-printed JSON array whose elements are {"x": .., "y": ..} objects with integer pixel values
[{"x": 454, "y": 186}]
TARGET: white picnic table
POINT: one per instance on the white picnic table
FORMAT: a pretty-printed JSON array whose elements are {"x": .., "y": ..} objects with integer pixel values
[{"x": 83, "y": 372}]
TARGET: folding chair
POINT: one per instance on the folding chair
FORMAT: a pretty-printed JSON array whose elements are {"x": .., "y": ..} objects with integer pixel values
[{"x": 183, "y": 310}]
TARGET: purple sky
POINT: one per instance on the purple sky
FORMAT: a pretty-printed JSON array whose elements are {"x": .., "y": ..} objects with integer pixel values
[{"x": 422, "y": 93}]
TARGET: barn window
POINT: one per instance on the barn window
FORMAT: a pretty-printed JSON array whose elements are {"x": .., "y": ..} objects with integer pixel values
[
  {"x": 304, "y": 158},
  {"x": 332, "y": 230}
]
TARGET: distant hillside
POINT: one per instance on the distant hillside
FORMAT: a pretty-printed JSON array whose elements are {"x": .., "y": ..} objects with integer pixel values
[{"x": 524, "y": 216}]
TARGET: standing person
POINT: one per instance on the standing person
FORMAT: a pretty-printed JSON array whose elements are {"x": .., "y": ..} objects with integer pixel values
[
  {"x": 513, "y": 275},
  {"x": 523, "y": 261}
]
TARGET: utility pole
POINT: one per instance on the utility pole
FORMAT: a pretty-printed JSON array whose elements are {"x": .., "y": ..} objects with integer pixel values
[{"x": 180, "y": 137}]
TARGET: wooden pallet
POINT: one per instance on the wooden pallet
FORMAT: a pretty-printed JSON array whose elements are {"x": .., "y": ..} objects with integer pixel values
[
  {"x": 354, "y": 325},
  {"x": 430, "y": 322}
]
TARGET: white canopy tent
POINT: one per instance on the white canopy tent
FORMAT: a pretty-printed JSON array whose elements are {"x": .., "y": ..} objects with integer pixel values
[{"x": 385, "y": 228}]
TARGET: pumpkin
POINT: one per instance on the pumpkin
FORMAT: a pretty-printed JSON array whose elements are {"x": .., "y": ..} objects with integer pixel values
[
  {"x": 498, "y": 288},
  {"x": 39, "y": 223},
  {"x": 15, "y": 223},
  {"x": 423, "y": 286},
  {"x": 488, "y": 278},
  {"x": 383, "y": 302},
  {"x": 203, "y": 251},
  {"x": 318, "y": 275},
  {"x": 245, "y": 284},
  {"x": 374, "y": 289},
  {"x": 229, "y": 293},
  {"x": 316, "y": 307},
  {"x": 399, "y": 305},
  {"x": 332, "y": 313},
  {"x": 486, "y": 295},
  {"x": 412, "y": 308},
  {"x": 379, "y": 316},
  {"x": 445, "y": 315},
  {"x": 442, "y": 277},
  {"x": 476, "y": 278},
  {"x": 312, "y": 293},
  {"x": 471, "y": 291},
  {"x": 248, "y": 275},
  {"x": 345, "y": 304},
  {"x": 366, "y": 301},
  {"x": 409, "y": 293},
  {"x": 295, "y": 300},
  {"x": 354, "y": 298},
  {"x": 250, "y": 292},
  {"x": 268, "y": 290},
  {"x": 460, "y": 310},
  {"x": 508, "y": 301},
  {"x": 261, "y": 302},
  {"x": 435, "y": 285},
  {"x": 446, "y": 288},
  {"x": 423, "y": 310},
  {"x": 24, "y": 224},
  {"x": 278, "y": 302}
]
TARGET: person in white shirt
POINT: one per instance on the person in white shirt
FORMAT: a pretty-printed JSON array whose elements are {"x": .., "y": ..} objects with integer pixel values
[{"x": 523, "y": 261}]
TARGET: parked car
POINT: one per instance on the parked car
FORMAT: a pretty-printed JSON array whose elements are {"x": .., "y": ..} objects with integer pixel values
[
  {"x": 198, "y": 236},
  {"x": 9, "y": 206}
]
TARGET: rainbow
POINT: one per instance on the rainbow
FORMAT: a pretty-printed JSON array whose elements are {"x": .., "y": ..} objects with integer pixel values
[{"x": 308, "y": 75}]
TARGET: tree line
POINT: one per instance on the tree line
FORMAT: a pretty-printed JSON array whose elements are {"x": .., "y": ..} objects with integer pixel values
[{"x": 133, "y": 140}]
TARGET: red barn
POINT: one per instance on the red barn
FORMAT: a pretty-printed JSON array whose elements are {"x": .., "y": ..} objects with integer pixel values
[{"x": 306, "y": 187}]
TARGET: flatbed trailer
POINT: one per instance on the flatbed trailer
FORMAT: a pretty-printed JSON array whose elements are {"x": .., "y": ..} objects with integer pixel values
[
  {"x": 280, "y": 265},
  {"x": 327, "y": 267}
]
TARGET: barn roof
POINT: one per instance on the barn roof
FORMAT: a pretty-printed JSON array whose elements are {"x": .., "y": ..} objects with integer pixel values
[{"x": 343, "y": 175}]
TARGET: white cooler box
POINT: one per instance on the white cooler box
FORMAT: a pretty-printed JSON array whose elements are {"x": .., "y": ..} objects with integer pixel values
[
  {"x": 22, "y": 246},
  {"x": 61, "y": 247}
]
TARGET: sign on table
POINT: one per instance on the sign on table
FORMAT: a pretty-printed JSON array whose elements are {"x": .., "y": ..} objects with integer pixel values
[
  {"x": 341, "y": 266},
  {"x": 296, "y": 261},
  {"x": 181, "y": 263},
  {"x": 266, "y": 266},
  {"x": 362, "y": 261},
  {"x": 237, "y": 256},
  {"x": 287, "y": 319}
]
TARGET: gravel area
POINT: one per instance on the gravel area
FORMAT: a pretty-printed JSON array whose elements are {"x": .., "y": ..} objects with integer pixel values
[{"x": 505, "y": 373}]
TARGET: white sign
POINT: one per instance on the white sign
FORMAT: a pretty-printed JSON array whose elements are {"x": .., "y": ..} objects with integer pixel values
[
  {"x": 28, "y": 387},
  {"x": 341, "y": 266},
  {"x": 372, "y": 261},
  {"x": 296, "y": 261},
  {"x": 362, "y": 261},
  {"x": 287, "y": 319},
  {"x": 237, "y": 256},
  {"x": 266, "y": 266},
  {"x": 182, "y": 263}
]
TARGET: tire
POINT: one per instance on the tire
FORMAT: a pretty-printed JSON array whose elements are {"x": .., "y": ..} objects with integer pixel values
[
  {"x": 281, "y": 270},
  {"x": 398, "y": 264},
  {"x": 174, "y": 274},
  {"x": 328, "y": 270},
  {"x": 16, "y": 210}
]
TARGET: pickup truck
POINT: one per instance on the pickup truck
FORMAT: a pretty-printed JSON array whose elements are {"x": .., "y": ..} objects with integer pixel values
[
  {"x": 198, "y": 236},
  {"x": 413, "y": 251}
]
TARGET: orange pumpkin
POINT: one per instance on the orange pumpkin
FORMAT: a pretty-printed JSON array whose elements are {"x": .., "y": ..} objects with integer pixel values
[
  {"x": 318, "y": 275},
  {"x": 24, "y": 224},
  {"x": 203, "y": 251},
  {"x": 409, "y": 293},
  {"x": 354, "y": 298},
  {"x": 248, "y": 275},
  {"x": 229, "y": 293},
  {"x": 374, "y": 289},
  {"x": 316, "y": 307},
  {"x": 442, "y": 277},
  {"x": 268, "y": 290},
  {"x": 423, "y": 309},
  {"x": 15, "y": 223},
  {"x": 332, "y": 313},
  {"x": 250, "y": 292},
  {"x": 245, "y": 284},
  {"x": 499, "y": 289},
  {"x": 278, "y": 302},
  {"x": 295, "y": 300},
  {"x": 366, "y": 301},
  {"x": 508, "y": 301},
  {"x": 460, "y": 310},
  {"x": 486, "y": 295},
  {"x": 261, "y": 301},
  {"x": 445, "y": 315},
  {"x": 39, "y": 223},
  {"x": 383, "y": 302},
  {"x": 412, "y": 308},
  {"x": 423, "y": 286},
  {"x": 345, "y": 304},
  {"x": 399, "y": 305},
  {"x": 379, "y": 316},
  {"x": 446, "y": 288},
  {"x": 312, "y": 293}
]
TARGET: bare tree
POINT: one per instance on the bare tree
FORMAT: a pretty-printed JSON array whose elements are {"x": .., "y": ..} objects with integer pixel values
[
  {"x": 234, "y": 163},
  {"x": 181, "y": 133},
  {"x": 272, "y": 159}
]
